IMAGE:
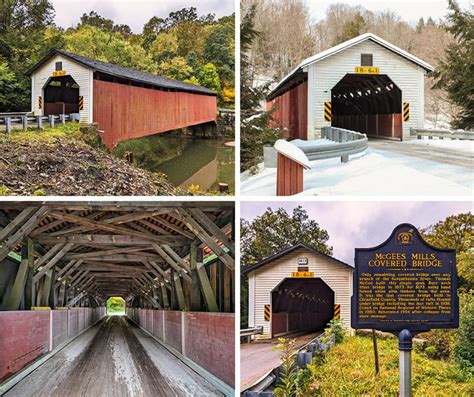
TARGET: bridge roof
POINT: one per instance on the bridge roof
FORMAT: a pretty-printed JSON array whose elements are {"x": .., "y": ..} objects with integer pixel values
[
  {"x": 341, "y": 47},
  {"x": 125, "y": 73},
  {"x": 289, "y": 250}
]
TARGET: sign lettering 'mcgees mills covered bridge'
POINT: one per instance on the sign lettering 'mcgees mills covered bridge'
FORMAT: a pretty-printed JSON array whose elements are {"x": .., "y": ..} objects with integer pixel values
[{"x": 405, "y": 283}]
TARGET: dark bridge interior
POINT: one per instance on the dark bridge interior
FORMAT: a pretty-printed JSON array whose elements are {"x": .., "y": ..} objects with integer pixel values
[
  {"x": 61, "y": 96},
  {"x": 371, "y": 104},
  {"x": 300, "y": 304}
]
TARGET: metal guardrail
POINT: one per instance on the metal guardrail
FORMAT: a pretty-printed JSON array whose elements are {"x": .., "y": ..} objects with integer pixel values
[
  {"x": 442, "y": 134},
  {"x": 251, "y": 331},
  {"x": 304, "y": 357},
  {"x": 347, "y": 142},
  {"x": 24, "y": 120}
]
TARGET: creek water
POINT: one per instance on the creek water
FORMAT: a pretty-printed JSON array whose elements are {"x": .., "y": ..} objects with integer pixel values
[{"x": 186, "y": 161}]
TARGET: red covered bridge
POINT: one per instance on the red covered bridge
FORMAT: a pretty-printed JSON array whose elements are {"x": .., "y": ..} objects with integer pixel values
[{"x": 125, "y": 103}]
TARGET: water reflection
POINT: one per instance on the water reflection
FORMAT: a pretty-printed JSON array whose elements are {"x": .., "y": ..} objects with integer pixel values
[{"x": 186, "y": 161}]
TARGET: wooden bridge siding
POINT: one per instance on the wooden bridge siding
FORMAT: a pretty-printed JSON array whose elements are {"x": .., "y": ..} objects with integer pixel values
[
  {"x": 125, "y": 112},
  {"x": 292, "y": 111}
]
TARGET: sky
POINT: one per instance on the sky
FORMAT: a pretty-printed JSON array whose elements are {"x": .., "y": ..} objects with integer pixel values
[
  {"x": 362, "y": 224},
  {"x": 408, "y": 10},
  {"x": 134, "y": 13}
]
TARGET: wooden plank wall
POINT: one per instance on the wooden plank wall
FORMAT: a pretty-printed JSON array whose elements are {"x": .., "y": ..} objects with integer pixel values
[
  {"x": 126, "y": 112},
  {"x": 292, "y": 111}
]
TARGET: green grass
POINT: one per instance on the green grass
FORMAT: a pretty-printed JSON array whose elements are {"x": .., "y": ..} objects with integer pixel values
[
  {"x": 349, "y": 371},
  {"x": 69, "y": 131}
]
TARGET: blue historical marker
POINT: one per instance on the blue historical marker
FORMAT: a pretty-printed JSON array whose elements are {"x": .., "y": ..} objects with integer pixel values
[{"x": 405, "y": 286}]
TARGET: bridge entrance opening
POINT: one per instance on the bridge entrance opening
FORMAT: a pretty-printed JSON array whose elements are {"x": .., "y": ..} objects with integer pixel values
[
  {"x": 301, "y": 304},
  {"x": 115, "y": 306},
  {"x": 61, "y": 96},
  {"x": 368, "y": 103}
]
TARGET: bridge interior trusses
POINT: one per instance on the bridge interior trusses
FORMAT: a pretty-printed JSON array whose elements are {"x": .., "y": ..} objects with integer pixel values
[
  {"x": 164, "y": 255},
  {"x": 362, "y": 94}
]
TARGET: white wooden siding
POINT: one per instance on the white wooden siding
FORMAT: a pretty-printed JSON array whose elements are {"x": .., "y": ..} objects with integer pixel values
[
  {"x": 262, "y": 281},
  {"x": 82, "y": 75},
  {"x": 325, "y": 74}
]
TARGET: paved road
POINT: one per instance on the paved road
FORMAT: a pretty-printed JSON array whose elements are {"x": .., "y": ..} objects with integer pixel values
[
  {"x": 258, "y": 358},
  {"x": 442, "y": 155},
  {"x": 114, "y": 358}
]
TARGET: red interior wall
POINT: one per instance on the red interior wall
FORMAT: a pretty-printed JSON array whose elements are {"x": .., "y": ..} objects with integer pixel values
[
  {"x": 59, "y": 327},
  {"x": 292, "y": 111},
  {"x": 173, "y": 329},
  {"x": 125, "y": 112}
]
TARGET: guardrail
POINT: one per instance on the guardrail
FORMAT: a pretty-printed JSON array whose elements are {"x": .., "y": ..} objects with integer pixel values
[
  {"x": 303, "y": 356},
  {"x": 442, "y": 134},
  {"x": 25, "y": 121},
  {"x": 247, "y": 333},
  {"x": 294, "y": 156}
]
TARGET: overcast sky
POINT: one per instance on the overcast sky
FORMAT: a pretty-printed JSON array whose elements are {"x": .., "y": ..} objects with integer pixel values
[
  {"x": 134, "y": 13},
  {"x": 408, "y": 10},
  {"x": 362, "y": 224}
]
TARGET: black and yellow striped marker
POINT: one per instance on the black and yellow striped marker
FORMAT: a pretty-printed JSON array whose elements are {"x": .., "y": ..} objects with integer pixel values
[
  {"x": 406, "y": 111},
  {"x": 40, "y": 102},
  {"x": 81, "y": 103},
  {"x": 327, "y": 111},
  {"x": 267, "y": 313},
  {"x": 337, "y": 312}
]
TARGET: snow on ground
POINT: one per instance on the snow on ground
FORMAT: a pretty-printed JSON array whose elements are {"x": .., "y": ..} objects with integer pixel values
[
  {"x": 374, "y": 172},
  {"x": 450, "y": 144}
]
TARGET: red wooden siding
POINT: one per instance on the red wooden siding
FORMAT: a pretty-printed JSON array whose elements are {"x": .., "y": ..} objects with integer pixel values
[
  {"x": 374, "y": 125},
  {"x": 292, "y": 111},
  {"x": 125, "y": 112},
  {"x": 289, "y": 176}
]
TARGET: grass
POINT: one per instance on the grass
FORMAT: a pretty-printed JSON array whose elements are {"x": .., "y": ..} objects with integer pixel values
[
  {"x": 349, "y": 371},
  {"x": 69, "y": 131}
]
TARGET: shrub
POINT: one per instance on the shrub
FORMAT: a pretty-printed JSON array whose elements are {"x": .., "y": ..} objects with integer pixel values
[
  {"x": 438, "y": 344},
  {"x": 464, "y": 344},
  {"x": 337, "y": 328},
  {"x": 288, "y": 372}
]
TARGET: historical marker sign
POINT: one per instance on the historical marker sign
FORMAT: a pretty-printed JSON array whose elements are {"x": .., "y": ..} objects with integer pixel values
[{"x": 405, "y": 283}]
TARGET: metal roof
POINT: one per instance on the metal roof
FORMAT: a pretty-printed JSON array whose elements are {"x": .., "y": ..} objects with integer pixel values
[
  {"x": 287, "y": 251},
  {"x": 126, "y": 73},
  {"x": 347, "y": 44}
]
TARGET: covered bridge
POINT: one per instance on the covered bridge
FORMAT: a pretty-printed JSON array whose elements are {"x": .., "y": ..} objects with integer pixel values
[
  {"x": 365, "y": 84},
  {"x": 125, "y": 103},
  {"x": 298, "y": 289}
]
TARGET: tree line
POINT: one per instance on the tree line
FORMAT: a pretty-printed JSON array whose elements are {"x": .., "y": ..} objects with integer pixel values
[{"x": 185, "y": 46}]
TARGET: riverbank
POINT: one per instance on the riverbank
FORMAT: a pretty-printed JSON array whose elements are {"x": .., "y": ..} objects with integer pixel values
[{"x": 58, "y": 161}]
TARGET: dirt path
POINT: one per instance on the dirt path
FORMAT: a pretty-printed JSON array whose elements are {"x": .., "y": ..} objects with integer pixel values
[
  {"x": 441, "y": 155},
  {"x": 259, "y": 358},
  {"x": 108, "y": 360}
]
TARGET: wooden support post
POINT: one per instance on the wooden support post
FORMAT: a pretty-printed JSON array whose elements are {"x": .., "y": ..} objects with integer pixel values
[
  {"x": 179, "y": 291},
  {"x": 48, "y": 280},
  {"x": 62, "y": 294},
  {"x": 164, "y": 294},
  {"x": 29, "y": 279},
  {"x": 206, "y": 288},
  {"x": 228, "y": 291},
  {"x": 173, "y": 303},
  {"x": 16, "y": 293},
  {"x": 196, "y": 301},
  {"x": 289, "y": 176}
]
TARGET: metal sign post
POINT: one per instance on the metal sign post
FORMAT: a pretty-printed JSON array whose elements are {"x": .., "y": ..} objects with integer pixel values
[{"x": 405, "y": 339}]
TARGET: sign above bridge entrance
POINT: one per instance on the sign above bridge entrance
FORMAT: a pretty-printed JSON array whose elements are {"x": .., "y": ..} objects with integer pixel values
[
  {"x": 405, "y": 283},
  {"x": 367, "y": 70}
]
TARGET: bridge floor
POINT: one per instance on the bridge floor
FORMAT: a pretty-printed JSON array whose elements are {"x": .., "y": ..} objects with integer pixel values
[
  {"x": 259, "y": 358},
  {"x": 113, "y": 358},
  {"x": 439, "y": 154}
]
